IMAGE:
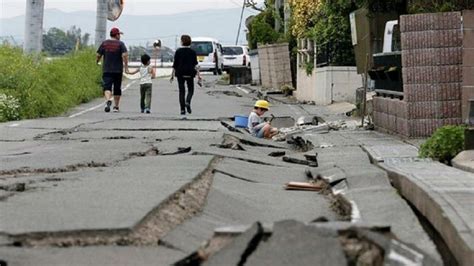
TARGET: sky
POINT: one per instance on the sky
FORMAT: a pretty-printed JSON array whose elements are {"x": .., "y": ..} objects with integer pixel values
[{"x": 12, "y": 8}]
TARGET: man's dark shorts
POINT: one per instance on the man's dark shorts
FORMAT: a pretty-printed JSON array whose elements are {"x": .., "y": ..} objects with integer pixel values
[{"x": 114, "y": 80}]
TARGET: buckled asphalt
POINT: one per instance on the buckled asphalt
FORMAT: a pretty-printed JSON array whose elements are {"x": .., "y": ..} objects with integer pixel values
[{"x": 107, "y": 171}]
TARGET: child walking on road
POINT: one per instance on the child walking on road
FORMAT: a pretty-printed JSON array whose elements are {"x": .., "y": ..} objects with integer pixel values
[
  {"x": 147, "y": 73},
  {"x": 257, "y": 127}
]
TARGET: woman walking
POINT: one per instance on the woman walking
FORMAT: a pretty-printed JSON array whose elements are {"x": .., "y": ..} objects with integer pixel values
[{"x": 185, "y": 68}]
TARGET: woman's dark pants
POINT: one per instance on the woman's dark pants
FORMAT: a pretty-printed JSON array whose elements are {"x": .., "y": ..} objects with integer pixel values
[{"x": 183, "y": 100}]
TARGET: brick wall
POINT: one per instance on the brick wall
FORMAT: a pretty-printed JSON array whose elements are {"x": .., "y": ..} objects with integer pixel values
[
  {"x": 275, "y": 68},
  {"x": 432, "y": 56},
  {"x": 468, "y": 62}
]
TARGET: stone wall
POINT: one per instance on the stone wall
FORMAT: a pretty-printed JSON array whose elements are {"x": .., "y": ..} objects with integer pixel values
[
  {"x": 275, "y": 68},
  {"x": 432, "y": 77}
]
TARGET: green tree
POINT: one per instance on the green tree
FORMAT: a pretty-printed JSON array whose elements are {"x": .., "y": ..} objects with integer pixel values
[
  {"x": 262, "y": 27},
  {"x": 59, "y": 42},
  {"x": 332, "y": 32}
]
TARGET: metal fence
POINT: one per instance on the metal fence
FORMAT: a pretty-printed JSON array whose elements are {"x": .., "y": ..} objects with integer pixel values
[{"x": 334, "y": 54}]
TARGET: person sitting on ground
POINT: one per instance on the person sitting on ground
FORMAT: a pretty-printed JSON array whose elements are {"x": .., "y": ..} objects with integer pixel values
[
  {"x": 147, "y": 73},
  {"x": 257, "y": 127}
]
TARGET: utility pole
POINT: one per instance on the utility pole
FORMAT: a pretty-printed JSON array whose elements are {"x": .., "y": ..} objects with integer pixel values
[
  {"x": 33, "y": 26},
  {"x": 287, "y": 12},
  {"x": 240, "y": 23},
  {"x": 278, "y": 6},
  {"x": 101, "y": 22}
]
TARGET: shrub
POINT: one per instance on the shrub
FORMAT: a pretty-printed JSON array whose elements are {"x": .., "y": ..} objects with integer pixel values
[
  {"x": 48, "y": 87},
  {"x": 9, "y": 108},
  {"x": 444, "y": 144}
]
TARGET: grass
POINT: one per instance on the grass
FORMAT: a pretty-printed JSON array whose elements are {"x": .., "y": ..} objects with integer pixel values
[{"x": 42, "y": 87}]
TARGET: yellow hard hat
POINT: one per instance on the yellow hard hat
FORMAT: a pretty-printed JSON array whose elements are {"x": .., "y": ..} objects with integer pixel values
[{"x": 262, "y": 104}]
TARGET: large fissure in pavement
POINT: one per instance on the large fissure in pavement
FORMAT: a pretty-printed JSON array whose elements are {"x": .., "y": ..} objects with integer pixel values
[
  {"x": 179, "y": 207},
  {"x": 443, "y": 249},
  {"x": 441, "y": 246}
]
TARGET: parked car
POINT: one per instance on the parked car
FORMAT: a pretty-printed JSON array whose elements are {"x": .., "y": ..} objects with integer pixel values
[
  {"x": 209, "y": 54},
  {"x": 235, "y": 55}
]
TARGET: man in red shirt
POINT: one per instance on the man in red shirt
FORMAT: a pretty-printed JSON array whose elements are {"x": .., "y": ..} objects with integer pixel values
[{"x": 115, "y": 61}]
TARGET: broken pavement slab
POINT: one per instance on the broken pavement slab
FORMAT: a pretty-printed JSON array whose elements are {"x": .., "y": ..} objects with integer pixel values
[
  {"x": 464, "y": 161},
  {"x": 290, "y": 242},
  {"x": 379, "y": 153},
  {"x": 293, "y": 243},
  {"x": 98, "y": 255},
  {"x": 109, "y": 199},
  {"x": 442, "y": 194},
  {"x": 232, "y": 201},
  {"x": 369, "y": 191},
  {"x": 242, "y": 246}
]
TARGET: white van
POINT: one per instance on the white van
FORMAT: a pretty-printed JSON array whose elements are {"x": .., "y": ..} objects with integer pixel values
[
  {"x": 235, "y": 55},
  {"x": 209, "y": 54}
]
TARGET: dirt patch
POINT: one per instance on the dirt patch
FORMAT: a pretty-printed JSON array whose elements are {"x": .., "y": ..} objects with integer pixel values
[
  {"x": 359, "y": 250},
  {"x": 227, "y": 93},
  {"x": 153, "y": 151}
]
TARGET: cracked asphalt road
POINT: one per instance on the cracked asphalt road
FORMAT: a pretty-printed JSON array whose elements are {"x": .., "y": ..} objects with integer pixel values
[
  {"x": 96, "y": 188},
  {"x": 78, "y": 186}
]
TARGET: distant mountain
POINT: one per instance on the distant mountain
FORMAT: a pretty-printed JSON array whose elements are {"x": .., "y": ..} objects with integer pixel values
[{"x": 220, "y": 24}]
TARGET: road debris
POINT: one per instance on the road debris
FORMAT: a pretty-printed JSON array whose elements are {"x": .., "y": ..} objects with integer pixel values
[
  {"x": 306, "y": 186},
  {"x": 277, "y": 154},
  {"x": 181, "y": 150},
  {"x": 289, "y": 159},
  {"x": 300, "y": 144},
  {"x": 307, "y": 120}
]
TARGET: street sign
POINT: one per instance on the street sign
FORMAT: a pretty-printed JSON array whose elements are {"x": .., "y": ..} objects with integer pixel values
[{"x": 115, "y": 8}]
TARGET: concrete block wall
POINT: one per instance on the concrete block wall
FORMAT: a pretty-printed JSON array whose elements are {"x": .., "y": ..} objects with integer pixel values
[
  {"x": 432, "y": 58},
  {"x": 275, "y": 68},
  {"x": 334, "y": 84}
]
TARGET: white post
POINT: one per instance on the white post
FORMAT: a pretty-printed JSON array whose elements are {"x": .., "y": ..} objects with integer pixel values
[
  {"x": 101, "y": 22},
  {"x": 33, "y": 42}
]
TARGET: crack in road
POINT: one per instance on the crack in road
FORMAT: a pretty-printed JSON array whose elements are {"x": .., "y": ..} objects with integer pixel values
[
  {"x": 234, "y": 176},
  {"x": 234, "y": 157},
  {"x": 67, "y": 168},
  {"x": 182, "y": 205}
]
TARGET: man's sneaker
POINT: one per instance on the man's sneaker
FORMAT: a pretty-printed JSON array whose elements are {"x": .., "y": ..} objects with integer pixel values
[
  {"x": 142, "y": 111},
  {"x": 107, "y": 106},
  {"x": 188, "y": 108},
  {"x": 147, "y": 111},
  {"x": 116, "y": 109}
]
